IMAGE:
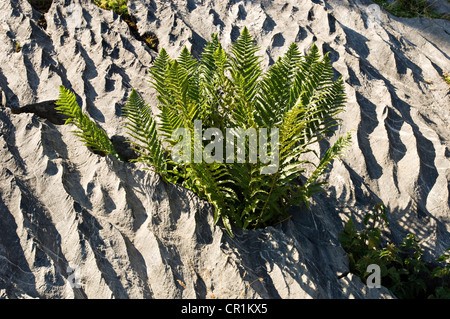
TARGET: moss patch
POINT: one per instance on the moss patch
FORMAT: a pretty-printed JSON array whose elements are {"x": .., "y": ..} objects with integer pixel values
[{"x": 411, "y": 9}]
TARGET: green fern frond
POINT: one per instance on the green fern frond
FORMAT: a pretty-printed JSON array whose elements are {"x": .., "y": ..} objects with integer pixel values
[
  {"x": 214, "y": 84},
  {"x": 142, "y": 128},
  {"x": 88, "y": 131}
]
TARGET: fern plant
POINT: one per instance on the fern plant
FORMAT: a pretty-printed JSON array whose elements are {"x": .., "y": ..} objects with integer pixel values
[
  {"x": 297, "y": 95},
  {"x": 402, "y": 268},
  {"x": 142, "y": 128},
  {"x": 88, "y": 131}
]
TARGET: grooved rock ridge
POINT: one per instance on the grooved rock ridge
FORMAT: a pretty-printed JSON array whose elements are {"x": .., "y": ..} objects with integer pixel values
[{"x": 76, "y": 225}]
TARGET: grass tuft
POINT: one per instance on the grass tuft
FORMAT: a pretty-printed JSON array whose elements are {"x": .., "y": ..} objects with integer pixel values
[{"x": 120, "y": 8}]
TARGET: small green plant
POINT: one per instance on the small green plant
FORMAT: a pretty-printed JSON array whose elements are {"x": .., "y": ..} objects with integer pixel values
[
  {"x": 89, "y": 132},
  {"x": 403, "y": 270},
  {"x": 410, "y": 8},
  {"x": 361, "y": 247}
]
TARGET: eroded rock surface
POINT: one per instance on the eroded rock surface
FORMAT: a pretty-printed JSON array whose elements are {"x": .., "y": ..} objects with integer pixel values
[{"x": 76, "y": 225}]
